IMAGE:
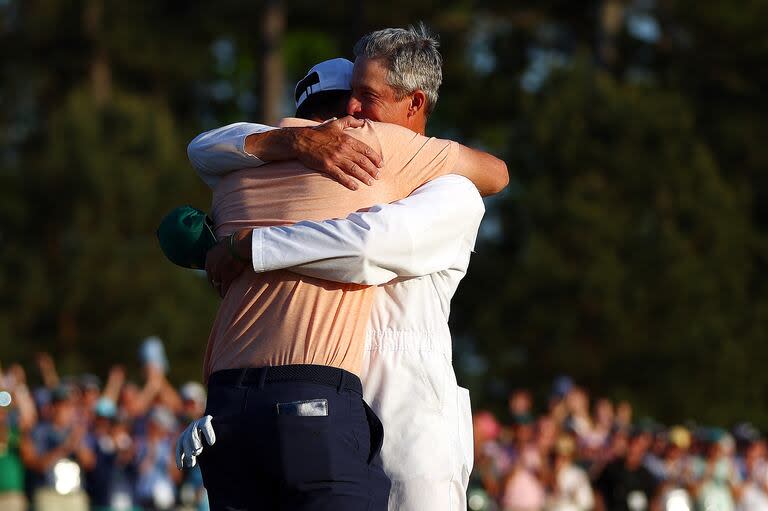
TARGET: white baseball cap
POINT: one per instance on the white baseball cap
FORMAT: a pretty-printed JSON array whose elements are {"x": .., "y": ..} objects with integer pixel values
[
  {"x": 334, "y": 74},
  {"x": 193, "y": 391}
]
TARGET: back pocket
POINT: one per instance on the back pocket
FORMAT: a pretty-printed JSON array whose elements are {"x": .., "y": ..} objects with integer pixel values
[
  {"x": 304, "y": 448},
  {"x": 376, "y": 433}
]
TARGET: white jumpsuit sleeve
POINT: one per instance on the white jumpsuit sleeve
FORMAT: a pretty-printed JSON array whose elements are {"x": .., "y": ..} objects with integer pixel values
[
  {"x": 415, "y": 236},
  {"x": 215, "y": 153}
]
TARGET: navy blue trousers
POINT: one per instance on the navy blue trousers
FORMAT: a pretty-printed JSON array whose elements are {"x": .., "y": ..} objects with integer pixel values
[{"x": 292, "y": 445}]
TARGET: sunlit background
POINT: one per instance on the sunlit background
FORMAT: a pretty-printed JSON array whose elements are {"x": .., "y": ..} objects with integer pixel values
[{"x": 629, "y": 252}]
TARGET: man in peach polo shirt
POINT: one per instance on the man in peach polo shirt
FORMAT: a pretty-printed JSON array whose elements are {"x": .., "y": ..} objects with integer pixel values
[{"x": 285, "y": 347}]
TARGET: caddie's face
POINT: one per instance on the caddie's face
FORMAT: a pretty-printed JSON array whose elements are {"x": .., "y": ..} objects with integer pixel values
[{"x": 372, "y": 98}]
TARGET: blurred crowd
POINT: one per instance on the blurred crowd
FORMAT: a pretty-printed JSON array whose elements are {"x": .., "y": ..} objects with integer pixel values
[
  {"x": 584, "y": 454},
  {"x": 77, "y": 443}
]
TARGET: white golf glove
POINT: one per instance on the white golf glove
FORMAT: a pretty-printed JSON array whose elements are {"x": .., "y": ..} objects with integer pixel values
[{"x": 190, "y": 445}]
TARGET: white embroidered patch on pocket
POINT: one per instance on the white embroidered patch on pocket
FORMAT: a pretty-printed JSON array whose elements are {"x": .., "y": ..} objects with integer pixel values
[{"x": 309, "y": 408}]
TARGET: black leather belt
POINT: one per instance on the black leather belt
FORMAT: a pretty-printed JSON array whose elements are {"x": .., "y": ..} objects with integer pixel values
[{"x": 324, "y": 375}]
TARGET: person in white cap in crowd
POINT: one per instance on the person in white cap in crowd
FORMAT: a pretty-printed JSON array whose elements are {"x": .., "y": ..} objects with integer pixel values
[
  {"x": 155, "y": 485},
  {"x": 192, "y": 400},
  {"x": 426, "y": 238}
]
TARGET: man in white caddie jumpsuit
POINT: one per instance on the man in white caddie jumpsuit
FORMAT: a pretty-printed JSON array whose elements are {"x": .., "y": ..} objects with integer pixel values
[
  {"x": 408, "y": 377},
  {"x": 418, "y": 250}
]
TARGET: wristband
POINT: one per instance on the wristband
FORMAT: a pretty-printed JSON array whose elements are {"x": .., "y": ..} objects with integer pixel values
[{"x": 233, "y": 252}]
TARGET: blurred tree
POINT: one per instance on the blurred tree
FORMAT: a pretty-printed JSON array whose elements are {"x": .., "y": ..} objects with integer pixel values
[
  {"x": 88, "y": 171},
  {"x": 654, "y": 294},
  {"x": 630, "y": 250},
  {"x": 82, "y": 273},
  {"x": 273, "y": 79},
  {"x": 624, "y": 260}
]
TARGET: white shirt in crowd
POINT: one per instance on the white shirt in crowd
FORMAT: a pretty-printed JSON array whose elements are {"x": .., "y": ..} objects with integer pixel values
[{"x": 573, "y": 492}]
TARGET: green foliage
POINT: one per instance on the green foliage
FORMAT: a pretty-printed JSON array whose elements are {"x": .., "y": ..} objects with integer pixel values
[
  {"x": 302, "y": 50},
  {"x": 83, "y": 274},
  {"x": 636, "y": 264},
  {"x": 632, "y": 243}
]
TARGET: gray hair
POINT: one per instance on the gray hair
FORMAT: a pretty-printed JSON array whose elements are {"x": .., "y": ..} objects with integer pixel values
[{"x": 412, "y": 60}]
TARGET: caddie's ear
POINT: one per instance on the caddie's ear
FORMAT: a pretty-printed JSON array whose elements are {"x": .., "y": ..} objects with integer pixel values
[{"x": 418, "y": 103}]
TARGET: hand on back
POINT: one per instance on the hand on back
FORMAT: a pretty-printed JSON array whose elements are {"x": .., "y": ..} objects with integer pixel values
[
  {"x": 329, "y": 150},
  {"x": 226, "y": 260}
]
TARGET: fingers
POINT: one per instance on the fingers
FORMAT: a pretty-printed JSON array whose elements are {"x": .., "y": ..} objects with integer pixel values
[
  {"x": 374, "y": 157},
  {"x": 352, "y": 169},
  {"x": 216, "y": 261},
  {"x": 180, "y": 451},
  {"x": 351, "y": 160},
  {"x": 197, "y": 443},
  {"x": 366, "y": 167},
  {"x": 350, "y": 122},
  {"x": 207, "y": 428},
  {"x": 358, "y": 151},
  {"x": 341, "y": 176},
  {"x": 229, "y": 273},
  {"x": 365, "y": 161},
  {"x": 339, "y": 155},
  {"x": 189, "y": 448}
]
